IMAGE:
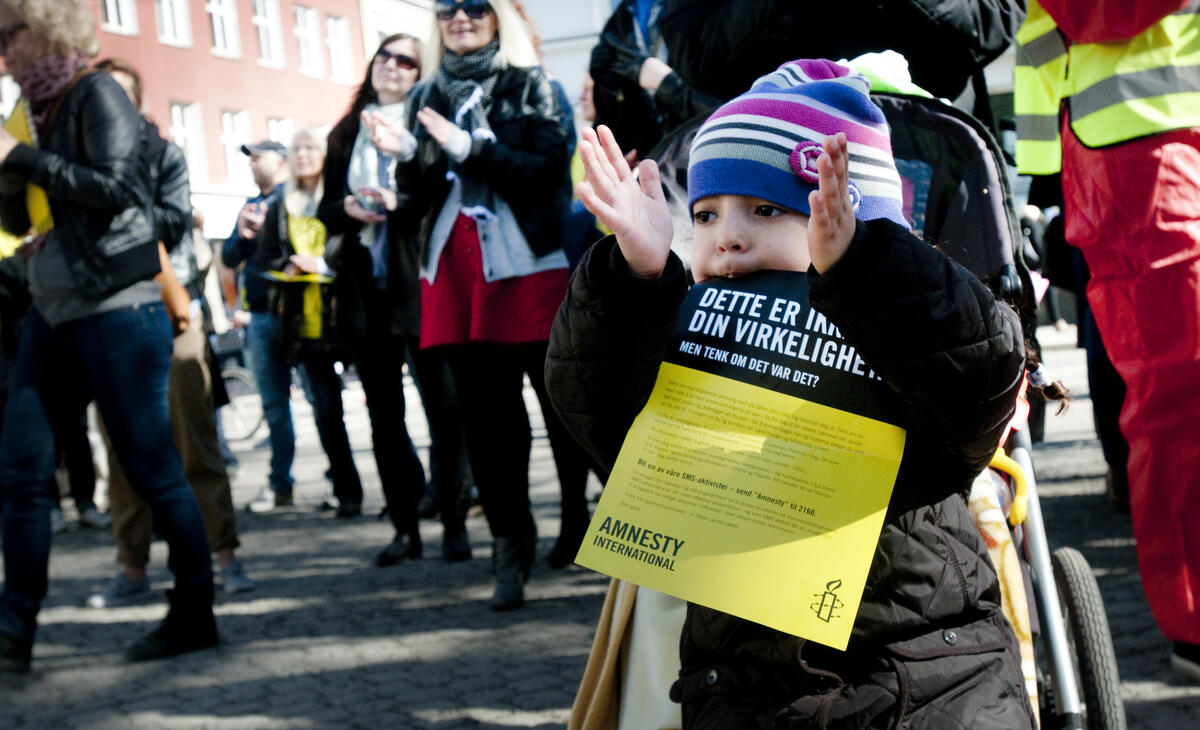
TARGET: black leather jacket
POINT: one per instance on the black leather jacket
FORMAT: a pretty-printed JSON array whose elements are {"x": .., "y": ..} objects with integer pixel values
[
  {"x": 93, "y": 165},
  {"x": 173, "y": 207},
  {"x": 526, "y": 164}
]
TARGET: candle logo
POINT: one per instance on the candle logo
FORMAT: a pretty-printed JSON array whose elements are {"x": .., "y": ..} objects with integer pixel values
[{"x": 828, "y": 602}]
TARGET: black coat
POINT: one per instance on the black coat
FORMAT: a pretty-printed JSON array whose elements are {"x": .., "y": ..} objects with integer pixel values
[
  {"x": 285, "y": 300},
  {"x": 363, "y": 308},
  {"x": 637, "y": 118},
  {"x": 526, "y": 164},
  {"x": 94, "y": 166},
  {"x": 720, "y": 47},
  {"x": 930, "y": 642}
]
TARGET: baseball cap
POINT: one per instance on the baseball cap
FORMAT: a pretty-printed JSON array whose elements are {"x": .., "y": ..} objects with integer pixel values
[{"x": 267, "y": 145}]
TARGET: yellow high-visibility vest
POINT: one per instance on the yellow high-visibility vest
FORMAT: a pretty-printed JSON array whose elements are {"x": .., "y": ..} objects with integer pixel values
[{"x": 1114, "y": 91}]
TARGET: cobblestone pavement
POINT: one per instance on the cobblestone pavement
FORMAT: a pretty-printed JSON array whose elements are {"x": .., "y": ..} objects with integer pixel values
[{"x": 329, "y": 640}]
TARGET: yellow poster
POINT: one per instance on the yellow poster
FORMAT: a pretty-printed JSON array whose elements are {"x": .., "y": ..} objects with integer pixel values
[
  {"x": 733, "y": 492},
  {"x": 20, "y": 125}
]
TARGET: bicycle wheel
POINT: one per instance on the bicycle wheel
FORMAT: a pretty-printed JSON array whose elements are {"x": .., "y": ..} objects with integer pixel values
[
  {"x": 243, "y": 415},
  {"x": 1089, "y": 639}
]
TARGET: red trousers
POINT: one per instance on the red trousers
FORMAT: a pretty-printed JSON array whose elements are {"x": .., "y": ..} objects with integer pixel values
[{"x": 1134, "y": 210}]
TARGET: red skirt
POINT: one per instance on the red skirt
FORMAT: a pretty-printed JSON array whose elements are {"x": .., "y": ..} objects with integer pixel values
[{"x": 460, "y": 307}]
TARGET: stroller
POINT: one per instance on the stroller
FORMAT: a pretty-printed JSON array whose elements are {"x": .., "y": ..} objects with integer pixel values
[{"x": 959, "y": 197}]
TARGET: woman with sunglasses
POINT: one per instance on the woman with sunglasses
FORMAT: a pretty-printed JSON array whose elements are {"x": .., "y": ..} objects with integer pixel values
[
  {"x": 379, "y": 306},
  {"x": 97, "y": 328},
  {"x": 487, "y": 187}
]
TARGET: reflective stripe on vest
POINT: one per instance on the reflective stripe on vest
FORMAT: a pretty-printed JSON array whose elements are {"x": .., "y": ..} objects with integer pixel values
[
  {"x": 1115, "y": 91},
  {"x": 1039, "y": 79},
  {"x": 1147, "y": 85}
]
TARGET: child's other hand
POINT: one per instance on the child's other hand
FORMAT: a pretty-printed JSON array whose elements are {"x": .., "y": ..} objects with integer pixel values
[
  {"x": 831, "y": 225},
  {"x": 634, "y": 209}
]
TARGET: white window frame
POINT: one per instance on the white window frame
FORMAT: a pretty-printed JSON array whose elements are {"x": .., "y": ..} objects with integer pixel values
[
  {"x": 187, "y": 131},
  {"x": 119, "y": 16},
  {"x": 269, "y": 24},
  {"x": 235, "y": 132},
  {"x": 281, "y": 130},
  {"x": 308, "y": 40},
  {"x": 223, "y": 21},
  {"x": 341, "y": 55},
  {"x": 174, "y": 19}
]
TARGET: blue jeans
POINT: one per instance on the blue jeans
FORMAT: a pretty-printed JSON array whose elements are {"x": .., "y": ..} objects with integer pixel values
[
  {"x": 120, "y": 359},
  {"x": 273, "y": 377}
]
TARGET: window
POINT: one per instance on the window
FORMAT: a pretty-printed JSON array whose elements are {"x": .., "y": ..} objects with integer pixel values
[
  {"x": 119, "y": 16},
  {"x": 174, "y": 24},
  {"x": 235, "y": 132},
  {"x": 341, "y": 59},
  {"x": 187, "y": 131},
  {"x": 308, "y": 37},
  {"x": 223, "y": 14},
  {"x": 270, "y": 33},
  {"x": 281, "y": 130}
]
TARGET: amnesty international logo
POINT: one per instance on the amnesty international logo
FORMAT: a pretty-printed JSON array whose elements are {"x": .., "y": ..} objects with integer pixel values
[{"x": 828, "y": 602}]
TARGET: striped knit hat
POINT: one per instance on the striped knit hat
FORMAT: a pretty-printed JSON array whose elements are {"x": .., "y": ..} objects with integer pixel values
[{"x": 765, "y": 143}]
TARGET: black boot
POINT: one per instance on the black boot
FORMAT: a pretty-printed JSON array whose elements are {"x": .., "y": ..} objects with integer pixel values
[
  {"x": 189, "y": 626},
  {"x": 506, "y": 564},
  {"x": 403, "y": 547},
  {"x": 456, "y": 547},
  {"x": 15, "y": 655}
]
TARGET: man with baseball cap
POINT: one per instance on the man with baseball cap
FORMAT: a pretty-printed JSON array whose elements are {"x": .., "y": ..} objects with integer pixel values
[{"x": 272, "y": 376}]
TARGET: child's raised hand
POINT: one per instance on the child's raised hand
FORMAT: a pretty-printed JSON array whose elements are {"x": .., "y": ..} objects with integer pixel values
[
  {"x": 831, "y": 225},
  {"x": 632, "y": 208}
]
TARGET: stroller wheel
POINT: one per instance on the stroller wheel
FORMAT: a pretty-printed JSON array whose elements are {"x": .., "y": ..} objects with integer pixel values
[{"x": 1090, "y": 640}]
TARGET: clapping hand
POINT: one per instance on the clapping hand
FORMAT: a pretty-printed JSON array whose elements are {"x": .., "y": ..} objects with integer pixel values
[
  {"x": 831, "y": 224},
  {"x": 390, "y": 137},
  {"x": 454, "y": 140},
  {"x": 250, "y": 220},
  {"x": 301, "y": 264},
  {"x": 379, "y": 198},
  {"x": 633, "y": 207},
  {"x": 358, "y": 212}
]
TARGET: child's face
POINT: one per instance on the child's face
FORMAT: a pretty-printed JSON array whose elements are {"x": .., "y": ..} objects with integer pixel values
[{"x": 736, "y": 234}]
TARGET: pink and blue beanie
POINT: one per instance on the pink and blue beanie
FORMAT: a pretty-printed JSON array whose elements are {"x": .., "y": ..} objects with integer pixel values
[{"x": 765, "y": 143}]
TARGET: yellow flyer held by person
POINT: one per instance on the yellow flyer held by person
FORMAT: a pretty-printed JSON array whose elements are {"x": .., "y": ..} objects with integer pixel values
[{"x": 756, "y": 478}]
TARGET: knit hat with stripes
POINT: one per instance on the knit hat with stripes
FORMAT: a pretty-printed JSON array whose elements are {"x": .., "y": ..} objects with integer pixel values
[{"x": 765, "y": 143}]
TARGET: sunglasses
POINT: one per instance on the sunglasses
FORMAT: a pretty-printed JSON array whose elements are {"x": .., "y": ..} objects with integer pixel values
[
  {"x": 474, "y": 9},
  {"x": 402, "y": 61},
  {"x": 9, "y": 32}
]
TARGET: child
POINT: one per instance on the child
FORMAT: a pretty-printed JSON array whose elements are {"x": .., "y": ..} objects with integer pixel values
[{"x": 797, "y": 174}]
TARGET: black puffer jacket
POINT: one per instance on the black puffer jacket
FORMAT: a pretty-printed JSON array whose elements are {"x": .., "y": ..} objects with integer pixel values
[
  {"x": 930, "y": 647},
  {"x": 526, "y": 164},
  {"x": 94, "y": 165}
]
